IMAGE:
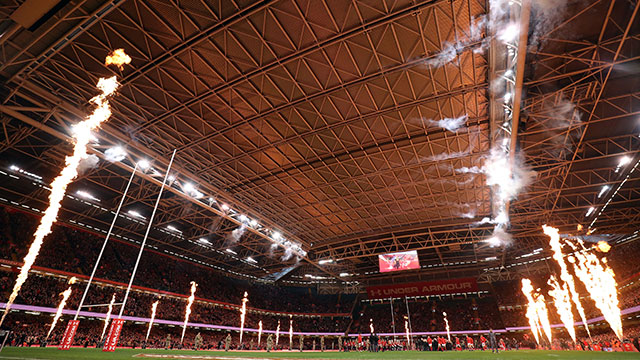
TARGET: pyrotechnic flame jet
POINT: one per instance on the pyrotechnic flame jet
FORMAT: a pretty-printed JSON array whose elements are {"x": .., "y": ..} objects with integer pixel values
[
  {"x": 278, "y": 333},
  {"x": 536, "y": 311},
  {"x": 543, "y": 315},
  {"x": 188, "y": 310},
  {"x": 290, "y": 332},
  {"x": 259, "y": 332},
  {"x": 371, "y": 325},
  {"x": 601, "y": 284},
  {"x": 82, "y": 136},
  {"x": 65, "y": 296},
  {"x": 562, "y": 302},
  {"x": 108, "y": 317},
  {"x": 118, "y": 58},
  {"x": 603, "y": 246},
  {"x": 243, "y": 313},
  {"x": 406, "y": 330},
  {"x": 446, "y": 322},
  {"x": 556, "y": 246},
  {"x": 154, "y": 306}
]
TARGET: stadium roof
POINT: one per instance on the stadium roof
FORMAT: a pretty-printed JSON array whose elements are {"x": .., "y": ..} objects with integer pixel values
[{"x": 322, "y": 121}]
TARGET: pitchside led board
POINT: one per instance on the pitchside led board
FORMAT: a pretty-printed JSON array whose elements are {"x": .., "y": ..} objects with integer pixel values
[{"x": 399, "y": 261}]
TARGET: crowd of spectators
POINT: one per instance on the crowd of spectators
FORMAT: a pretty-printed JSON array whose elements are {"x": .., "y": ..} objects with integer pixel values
[
  {"x": 428, "y": 314},
  {"x": 72, "y": 250},
  {"x": 41, "y": 290}
]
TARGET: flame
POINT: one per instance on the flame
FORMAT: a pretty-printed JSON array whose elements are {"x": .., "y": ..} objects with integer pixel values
[
  {"x": 154, "y": 306},
  {"x": 565, "y": 276},
  {"x": 278, "y": 333},
  {"x": 536, "y": 311},
  {"x": 106, "y": 319},
  {"x": 562, "y": 302},
  {"x": 446, "y": 322},
  {"x": 371, "y": 325},
  {"x": 259, "y": 332},
  {"x": 63, "y": 302},
  {"x": 600, "y": 282},
  {"x": 118, "y": 58},
  {"x": 532, "y": 315},
  {"x": 82, "y": 136},
  {"x": 243, "y": 313},
  {"x": 406, "y": 329},
  {"x": 543, "y": 315},
  {"x": 290, "y": 332},
  {"x": 603, "y": 246},
  {"x": 188, "y": 310}
]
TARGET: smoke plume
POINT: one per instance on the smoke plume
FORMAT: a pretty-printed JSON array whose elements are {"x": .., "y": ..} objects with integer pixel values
[
  {"x": 450, "y": 124},
  {"x": 88, "y": 163}
]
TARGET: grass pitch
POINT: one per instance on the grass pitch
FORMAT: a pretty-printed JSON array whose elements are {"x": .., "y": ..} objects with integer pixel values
[{"x": 138, "y": 354}]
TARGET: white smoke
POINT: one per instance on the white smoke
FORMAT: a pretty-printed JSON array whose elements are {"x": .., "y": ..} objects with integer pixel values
[
  {"x": 88, "y": 163},
  {"x": 237, "y": 233},
  {"x": 546, "y": 14},
  {"x": 451, "y": 124},
  {"x": 467, "y": 215},
  {"x": 449, "y": 53},
  {"x": 509, "y": 33},
  {"x": 469, "y": 170},
  {"x": 564, "y": 114},
  {"x": 503, "y": 237},
  {"x": 451, "y": 50},
  {"x": 288, "y": 253},
  {"x": 292, "y": 248},
  {"x": 272, "y": 249},
  {"x": 486, "y": 220},
  {"x": 115, "y": 154},
  {"x": 446, "y": 156},
  {"x": 508, "y": 178},
  {"x": 506, "y": 181},
  {"x": 470, "y": 180},
  {"x": 556, "y": 117}
]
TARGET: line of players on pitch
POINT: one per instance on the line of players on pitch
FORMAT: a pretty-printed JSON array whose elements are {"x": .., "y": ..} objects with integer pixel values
[
  {"x": 439, "y": 343},
  {"x": 374, "y": 343}
]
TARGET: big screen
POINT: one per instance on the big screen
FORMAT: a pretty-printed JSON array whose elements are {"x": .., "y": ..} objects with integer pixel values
[{"x": 406, "y": 260}]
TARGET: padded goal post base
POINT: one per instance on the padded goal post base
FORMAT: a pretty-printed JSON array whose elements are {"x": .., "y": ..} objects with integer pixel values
[
  {"x": 113, "y": 336},
  {"x": 69, "y": 334}
]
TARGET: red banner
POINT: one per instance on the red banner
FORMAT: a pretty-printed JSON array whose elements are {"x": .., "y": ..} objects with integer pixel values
[
  {"x": 69, "y": 333},
  {"x": 114, "y": 333},
  {"x": 424, "y": 288}
]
